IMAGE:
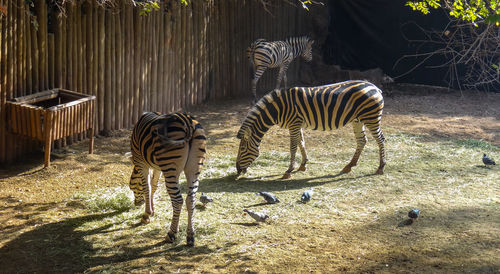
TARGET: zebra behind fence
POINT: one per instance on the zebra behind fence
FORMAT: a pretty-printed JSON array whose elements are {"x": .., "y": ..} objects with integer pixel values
[
  {"x": 319, "y": 108},
  {"x": 263, "y": 54},
  {"x": 167, "y": 144}
]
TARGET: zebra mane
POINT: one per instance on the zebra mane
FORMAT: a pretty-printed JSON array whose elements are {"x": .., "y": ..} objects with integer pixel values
[
  {"x": 247, "y": 127},
  {"x": 298, "y": 40}
]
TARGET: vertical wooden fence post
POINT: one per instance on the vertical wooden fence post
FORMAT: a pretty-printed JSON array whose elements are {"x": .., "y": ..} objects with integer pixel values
[{"x": 48, "y": 136}]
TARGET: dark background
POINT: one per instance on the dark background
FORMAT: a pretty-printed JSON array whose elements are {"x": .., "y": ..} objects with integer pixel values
[{"x": 369, "y": 34}]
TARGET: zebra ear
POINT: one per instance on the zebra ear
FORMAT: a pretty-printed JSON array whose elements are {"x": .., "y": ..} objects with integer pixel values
[{"x": 243, "y": 134}]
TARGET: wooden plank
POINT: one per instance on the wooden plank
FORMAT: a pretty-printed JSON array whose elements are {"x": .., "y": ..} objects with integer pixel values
[
  {"x": 170, "y": 58},
  {"x": 95, "y": 68},
  {"x": 51, "y": 49},
  {"x": 190, "y": 81},
  {"x": 22, "y": 47},
  {"x": 107, "y": 83},
  {"x": 137, "y": 67},
  {"x": 154, "y": 62},
  {"x": 81, "y": 27},
  {"x": 143, "y": 64},
  {"x": 184, "y": 60},
  {"x": 120, "y": 98},
  {"x": 58, "y": 52},
  {"x": 8, "y": 55},
  {"x": 69, "y": 46},
  {"x": 33, "y": 124},
  {"x": 91, "y": 130},
  {"x": 127, "y": 64},
  {"x": 102, "y": 67},
  {"x": 24, "y": 120},
  {"x": 64, "y": 50},
  {"x": 38, "y": 123},
  {"x": 168, "y": 77},
  {"x": 37, "y": 97},
  {"x": 14, "y": 126},
  {"x": 161, "y": 56},
  {"x": 147, "y": 64},
  {"x": 3, "y": 85},
  {"x": 113, "y": 92},
  {"x": 48, "y": 136}
]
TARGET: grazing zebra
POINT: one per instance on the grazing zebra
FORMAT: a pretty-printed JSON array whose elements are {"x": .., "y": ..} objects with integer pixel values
[
  {"x": 263, "y": 55},
  {"x": 320, "y": 108},
  {"x": 167, "y": 144}
]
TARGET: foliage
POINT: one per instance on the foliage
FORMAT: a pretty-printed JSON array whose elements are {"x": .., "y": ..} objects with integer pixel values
[{"x": 473, "y": 11}]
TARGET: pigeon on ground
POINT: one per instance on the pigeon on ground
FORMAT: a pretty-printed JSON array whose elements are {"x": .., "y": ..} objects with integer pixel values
[
  {"x": 306, "y": 196},
  {"x": 413, "y": 214},
  {"x": 259, "y": 217},
  {"x": 270, "y": 198},
  {"x": 204, "y": 199},
  {"x": 487, "y": 161}
]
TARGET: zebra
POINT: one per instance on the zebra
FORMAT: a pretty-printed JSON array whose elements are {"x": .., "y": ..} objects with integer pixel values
[
  {"x": 320, "y": 108},
  {"x": 263, "y": 54},
  {"x": 168, "y": 144}
]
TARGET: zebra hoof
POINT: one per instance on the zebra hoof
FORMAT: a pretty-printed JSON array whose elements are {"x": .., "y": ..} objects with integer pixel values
[
  {"x": 190, "y": 241},
  {"x": 346, "y": 169},
  {"x": 145, "y": 219},
  {"x": 170, "y": 237},
  {"x": 302, "y": 168},
  {"x": 286, "y": 176}
]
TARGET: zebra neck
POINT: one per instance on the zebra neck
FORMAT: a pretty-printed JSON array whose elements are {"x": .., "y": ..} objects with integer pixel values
[{"x": 297, "y": 47}]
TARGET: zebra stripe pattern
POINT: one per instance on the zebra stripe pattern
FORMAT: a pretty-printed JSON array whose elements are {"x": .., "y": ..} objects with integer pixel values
[
  {"x": 167, "y": 144},
  {"x": 320, "y": 108},
  {"x": 263, "y": 55}
]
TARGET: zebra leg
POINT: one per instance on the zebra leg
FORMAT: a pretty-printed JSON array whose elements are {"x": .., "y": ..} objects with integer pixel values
[
  {"x": 172, "y": 182},
  {"x": 376, "y": 132},
  {"x": 359, "y": 134},
  {"x": 284, "y": 79},
  {"x": 281, "y": 74},
  {"x": 302, "y": 145},
  {"x": 259, "y": 70},
  {"x": 295, "y": 135},
  {"x": 154, "y": 181},
  {"x": 192, "y": 171},
  {"x": 152, "y": 186},
  {"x": 148, "y": 194}
]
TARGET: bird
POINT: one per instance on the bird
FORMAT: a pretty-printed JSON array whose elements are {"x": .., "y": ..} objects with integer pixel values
[
  {"x": 306, "y": 196},
  {"x": 488, "y": 161},
  {"x": 413, "y": 214},
  {"x": 259, "y": 217},
  {"x": 270, "y": 198},
  {"x": 204, "y": 199}
]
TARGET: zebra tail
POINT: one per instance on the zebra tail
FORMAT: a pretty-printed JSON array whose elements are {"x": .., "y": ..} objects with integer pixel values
[{"x": 166, "y": 141}]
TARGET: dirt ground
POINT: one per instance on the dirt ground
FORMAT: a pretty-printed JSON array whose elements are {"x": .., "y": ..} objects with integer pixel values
[{"x": 24, "y": 203}]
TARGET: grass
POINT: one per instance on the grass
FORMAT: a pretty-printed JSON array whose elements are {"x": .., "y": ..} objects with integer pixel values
[
  {"x": 457, "y": 196},
  {"x": 354, "y": 222}
]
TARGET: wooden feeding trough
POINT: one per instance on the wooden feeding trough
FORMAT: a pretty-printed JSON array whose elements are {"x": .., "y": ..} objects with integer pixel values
[{"x": 51, "y": 115}]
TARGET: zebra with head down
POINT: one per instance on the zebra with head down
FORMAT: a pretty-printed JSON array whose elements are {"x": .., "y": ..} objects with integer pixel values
[{"x": 320, "y": 108}]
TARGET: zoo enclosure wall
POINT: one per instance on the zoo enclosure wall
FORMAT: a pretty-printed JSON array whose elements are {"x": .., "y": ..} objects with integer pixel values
[{"x": 167, "y": 61}]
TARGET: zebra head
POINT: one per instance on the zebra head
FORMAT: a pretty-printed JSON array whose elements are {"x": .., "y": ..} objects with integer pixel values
[
  {"x": 307, "y": 51},
  {"x": 248, "y": 150}
]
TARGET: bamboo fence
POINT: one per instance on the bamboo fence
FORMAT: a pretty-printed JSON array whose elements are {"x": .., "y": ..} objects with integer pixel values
[{"x": 172, "y": 59}]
